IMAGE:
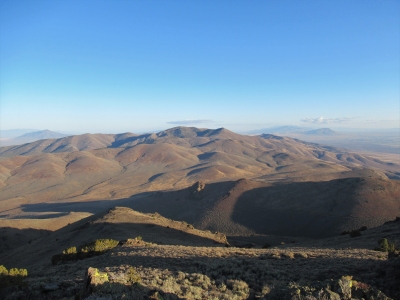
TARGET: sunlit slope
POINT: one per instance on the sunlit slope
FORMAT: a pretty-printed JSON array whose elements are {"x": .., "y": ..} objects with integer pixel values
[
  {"x": 67, "y": 144},
  {"x": 99, "y": 167}
]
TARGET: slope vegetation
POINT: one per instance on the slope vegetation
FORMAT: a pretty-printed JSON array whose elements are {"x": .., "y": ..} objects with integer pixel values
[{"x": 324, "y": 269}]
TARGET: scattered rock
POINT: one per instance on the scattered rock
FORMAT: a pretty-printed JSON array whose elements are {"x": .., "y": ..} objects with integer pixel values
[
  {"x": 51, "y": 286},
  {"x": 93, "y": 278},
  {"x": 133, "y": 242},
  {"x": 342, "y": 289},
  {"x": 195, "y": 189}
]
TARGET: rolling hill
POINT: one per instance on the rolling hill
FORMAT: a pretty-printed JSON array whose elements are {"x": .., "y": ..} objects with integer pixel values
[
  {"x": 105, "y": 167},
  {"x": 13, "y": 133},
  {"x": 297, "y": 209},
  {"x": 188, "y": 191},
  {"x": 41, "y": 135},
  {"x": 119, "y": 223},
  {"x": 31, "y": 136}
]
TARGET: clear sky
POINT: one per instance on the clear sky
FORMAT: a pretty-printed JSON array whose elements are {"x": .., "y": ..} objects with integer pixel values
[{"x": 117, "y": 66}]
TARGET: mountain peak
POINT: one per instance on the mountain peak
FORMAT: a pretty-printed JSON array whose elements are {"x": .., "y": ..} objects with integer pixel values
[
  {"x": 42, "y": 134},
  {"x": 191, "y": 132},
  {"x": 321, "y": 131}
]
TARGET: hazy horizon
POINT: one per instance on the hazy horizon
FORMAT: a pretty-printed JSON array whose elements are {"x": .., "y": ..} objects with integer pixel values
[
  {"x": 112, "y": 67},
  {"x": 251, "y": 132}
]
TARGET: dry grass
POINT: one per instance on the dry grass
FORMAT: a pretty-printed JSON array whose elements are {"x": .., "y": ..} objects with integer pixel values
[
  {"x": 136, "y": 268},
  {"x": 220, "y": 273}
]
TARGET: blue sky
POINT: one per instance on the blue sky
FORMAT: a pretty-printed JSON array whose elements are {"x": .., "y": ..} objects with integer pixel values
[{"x": 116, "y": 66}]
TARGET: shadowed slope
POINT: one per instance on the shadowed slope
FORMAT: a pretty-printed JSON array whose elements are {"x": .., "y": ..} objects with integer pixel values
[
  {"x": 119, "y": 223},
  {"x": 308, "y": 209}
]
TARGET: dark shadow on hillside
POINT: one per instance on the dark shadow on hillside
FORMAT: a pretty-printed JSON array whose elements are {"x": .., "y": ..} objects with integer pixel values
[
  {"x": 41, "y": 216},
  {"x": 154, "y": 177},
  {"x": 296, "y": 209},
  {"x": 11, "y": 238},
  {"x": 127, "y": 140},
  {"x": 191, "y": 203},
  {"x": 303, "y": 209},
  {"x": 84, "y": 231},
  {"x": 67, "y": 207},
  {"x": 153, "y": 233},
  {"x": 64, "y": 208}
]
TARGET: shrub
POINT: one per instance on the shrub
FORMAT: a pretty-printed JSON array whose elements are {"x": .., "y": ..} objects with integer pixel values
[
  {"x": 133, "y": 276},
  {"x": 70, "y": 250},
  {"x": 3, "y": 270},
  {"x": 100, "y": 245},
  {"x": 18, "y": 272},
  {"x": 11, "y": 277},
  {"x": 93, "y": 248},
  {"x": 386, "y": 246},
  {"x": 238, "y": 287}
]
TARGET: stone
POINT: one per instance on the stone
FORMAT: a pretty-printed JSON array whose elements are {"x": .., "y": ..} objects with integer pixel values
[
  {"x": 343, "y": 287},
  {"x": 51, "y": 286},
  {"x": 329, "y": 295},
  {"x": 93, "y": 278}
]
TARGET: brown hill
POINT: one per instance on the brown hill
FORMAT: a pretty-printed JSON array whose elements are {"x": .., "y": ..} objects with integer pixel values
[
  {"x": 128, "y": 164},
  {"x": 302, "y": 209},
  {"x": 281, "y": 149},
  {"x": 119, "y": 223},
  {"x": 170, "y": 161},
  {"x": 245, "y": 209},
  {"x": 67, "y": 144}
]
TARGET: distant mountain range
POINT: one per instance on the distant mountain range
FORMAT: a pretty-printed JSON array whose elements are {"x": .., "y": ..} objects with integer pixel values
[
  {"x": 42, "y": 134},
  {"x": 288, "y": 130},
  {"x": 13, "y": 133},
  {"x": 283, "y": 176},
  {"x": 9, "y": 139},
  {"x": 321, "y": 131},
  {"x": 196, "y": 190}
]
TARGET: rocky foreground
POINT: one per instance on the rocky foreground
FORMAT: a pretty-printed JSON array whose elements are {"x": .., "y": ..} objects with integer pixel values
[{"x": 140, "y": 270}]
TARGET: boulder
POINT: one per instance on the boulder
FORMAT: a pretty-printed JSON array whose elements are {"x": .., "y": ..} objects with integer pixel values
[{"x": 93, "y": 278}]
